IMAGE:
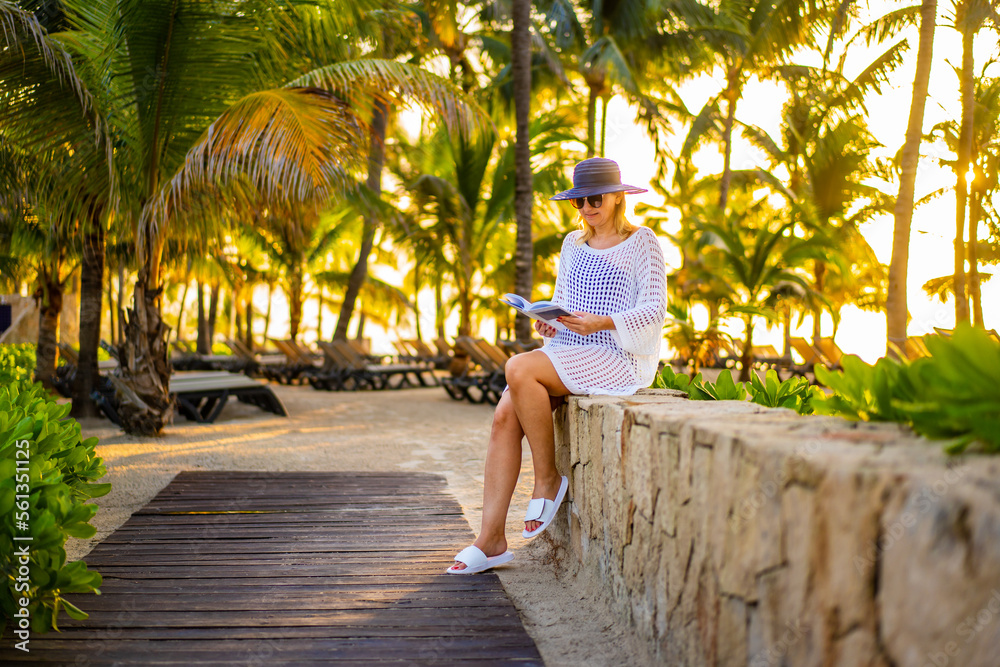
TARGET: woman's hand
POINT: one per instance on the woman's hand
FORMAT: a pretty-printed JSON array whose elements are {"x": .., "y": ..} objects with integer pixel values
[
  {"x": 544, "y": 329},
  {"x": 586, "y": 323}
]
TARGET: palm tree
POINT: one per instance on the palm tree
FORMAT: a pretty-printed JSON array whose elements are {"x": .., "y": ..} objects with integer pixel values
[
  {"x": 984, "y": 158},
  {"x": 520, "y": 41},
  {"x": 746, "y": 38},
  {"x": 827, "y": 151},
  {"x": 298, "y": 241},
  {"x": 199, "y": 126},
  {"x": 970, "y": 17},
  {"x": 61, "y": 141},
  {"x": 896, "y": 311},
  {"x": 756, "y": 254},
  {"x": 626, "y": 45},
  {"x": 464, "y": 192}
]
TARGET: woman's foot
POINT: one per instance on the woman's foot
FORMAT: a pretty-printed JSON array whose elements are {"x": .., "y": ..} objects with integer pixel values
[
  {"x": 544, "y": 488},
  {"x": 489, "y": 547}
]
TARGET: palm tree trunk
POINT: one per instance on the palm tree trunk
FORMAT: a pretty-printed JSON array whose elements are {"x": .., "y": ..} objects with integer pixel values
[
  {"x": 49, "y": 296},
  {"x": 416, "y": 300},
  {"x": 121, "y": 303},
  {"x": 896, "y": 310},
  {"x": 112, "y": 329},
  {"x": 819, "y": 279},
  {"x": 746, "y": 359},
  {"x": 235, "y": 324},
  {"x": 786, "y": 348},
  {"x": 202, "y": 344},
  {"x": 91, "y": 293},
  {"x": 360, "y": 333},
  {"x": 145, "y": 364},
  {"x": 604, "y": 121},
  {"x": 376, "y": 160},
  {"x": 464, "y": 279},
  {"x": 961, "y": 186},
  {"x": 439, "y": 306},
  {"x": 184, "y": 296},
  {"x": 213, "y": 312},
  {"x": 592, "y": 119},
  {"x": 521, "y": 75},
  {"x": 294, "y": 303},
  {"x": 975, "y": 215},
  {"x": 319, "y": 315},
  {"x": 235, "y": 316},
  {"x": 267, "y": 315},
  {"x": 732, "y": 95},
  {"x": 249, "y": 313}
]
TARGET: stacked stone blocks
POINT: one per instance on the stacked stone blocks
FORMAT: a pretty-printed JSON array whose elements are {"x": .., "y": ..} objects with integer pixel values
[{"x": 732, "y": 534}]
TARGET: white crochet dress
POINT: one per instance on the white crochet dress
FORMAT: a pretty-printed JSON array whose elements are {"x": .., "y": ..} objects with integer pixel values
[{"x": 628, "y": 282}]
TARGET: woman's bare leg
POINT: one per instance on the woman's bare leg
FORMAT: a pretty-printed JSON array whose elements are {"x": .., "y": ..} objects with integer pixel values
[
  {"x": 533, "y": 380},
  {"x": 503, "y": 465}
]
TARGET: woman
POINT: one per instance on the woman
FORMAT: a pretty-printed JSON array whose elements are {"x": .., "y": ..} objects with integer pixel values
[{"x": 612, "y": 277}]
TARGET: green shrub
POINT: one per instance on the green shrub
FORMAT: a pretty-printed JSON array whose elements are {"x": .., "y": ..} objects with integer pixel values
[
  {"x": 668, "y": 379},
  {"x": 954, "y": 393},
  {"x": 61, "y": 474},
  {"x": 17, "y": 363},
  {"x": 723, "y": 389},
  {"x": 793, "y": 393}
]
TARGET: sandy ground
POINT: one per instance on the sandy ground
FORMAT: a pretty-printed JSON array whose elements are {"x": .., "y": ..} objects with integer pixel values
[{"x": 410, "y": 430}]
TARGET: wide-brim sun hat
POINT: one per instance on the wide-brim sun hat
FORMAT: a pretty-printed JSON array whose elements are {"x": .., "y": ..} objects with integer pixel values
[{"x": 597, "y": 176}]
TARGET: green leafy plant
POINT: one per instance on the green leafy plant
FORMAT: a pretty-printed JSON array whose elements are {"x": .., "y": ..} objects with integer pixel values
[
  {"x": 862, "y": 392},
  {"x": 724, "y": 389},
  {"x": 221, "y": 349},
  {"x": 17, "y": 362},
  {"x": 668, "y": 379},
  {"x": 953, "y": 394},
  {"x": 62, "y": 472},
  {"x": 794, "y": 393}
]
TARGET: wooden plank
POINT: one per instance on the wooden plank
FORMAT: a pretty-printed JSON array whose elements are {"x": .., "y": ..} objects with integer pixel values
[{"x": 289, "y": 568}]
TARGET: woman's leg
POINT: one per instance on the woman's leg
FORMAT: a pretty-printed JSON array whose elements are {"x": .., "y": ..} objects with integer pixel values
[
  {"x": 533, "y": 380},
  {"x": 503, "y": 465}
]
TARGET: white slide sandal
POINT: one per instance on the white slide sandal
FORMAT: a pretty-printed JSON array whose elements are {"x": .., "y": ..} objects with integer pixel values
[
  {"x": 544, "y": 510},
  {"x": 477, "y": 561}
]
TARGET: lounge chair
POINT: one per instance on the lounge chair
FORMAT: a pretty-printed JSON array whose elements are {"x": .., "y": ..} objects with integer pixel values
[
  {"x": 810, "y": 357},
  {"x": 339, "y": 373},
  {"x": 299, "y": 364},
  {"x": 483, "y": 378},
  {"x": 385, "y": 376},
  {"x": 830, "y": 351},
  {"x": 249, "y": 362},
  {"x": 200, "y": 395},
  {"x": 424, "y": 354}
]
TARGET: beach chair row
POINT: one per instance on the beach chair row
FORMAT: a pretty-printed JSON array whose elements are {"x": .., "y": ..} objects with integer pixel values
[
  {"x": 417, "y": 351},
  {"x": 482, "y": 377},
  {"x": 344, "y": 367}
]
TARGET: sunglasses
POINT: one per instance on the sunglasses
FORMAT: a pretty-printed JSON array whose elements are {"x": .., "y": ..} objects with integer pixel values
[{"x": 595, "y": 201}]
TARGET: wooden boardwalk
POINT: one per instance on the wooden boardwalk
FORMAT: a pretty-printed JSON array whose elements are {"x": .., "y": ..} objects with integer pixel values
[{"x": 289, "y": 568}]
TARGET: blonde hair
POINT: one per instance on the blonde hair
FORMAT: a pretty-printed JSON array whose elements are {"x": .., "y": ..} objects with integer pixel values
[{"x": 623, "y": 227}]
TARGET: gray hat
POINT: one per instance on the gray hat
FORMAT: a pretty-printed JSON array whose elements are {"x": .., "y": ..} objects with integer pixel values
[{"x": 597, "y": 176}]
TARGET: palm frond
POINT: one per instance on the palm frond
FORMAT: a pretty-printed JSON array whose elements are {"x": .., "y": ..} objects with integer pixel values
[
  {"x": 51, "y": 116},
  {"x": 289, "y": 144},
  {"x": 362, "y": 81}
]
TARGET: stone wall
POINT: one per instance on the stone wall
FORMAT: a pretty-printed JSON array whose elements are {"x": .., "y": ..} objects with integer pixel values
[{"x": 731, "y": 534}]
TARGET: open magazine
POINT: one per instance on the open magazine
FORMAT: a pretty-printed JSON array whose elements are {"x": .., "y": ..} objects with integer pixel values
[{"x": 539, "y": 310}]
